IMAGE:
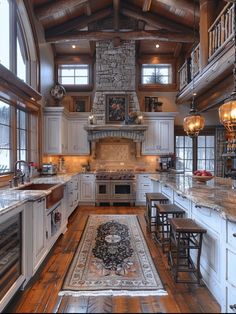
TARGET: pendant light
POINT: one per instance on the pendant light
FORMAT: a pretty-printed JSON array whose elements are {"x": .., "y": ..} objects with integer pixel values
[
  {"x": 227, "y": 111},
  {"x": 194, "y": 122}
]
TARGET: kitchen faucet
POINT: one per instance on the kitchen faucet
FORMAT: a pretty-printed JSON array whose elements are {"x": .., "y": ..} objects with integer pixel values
[{"x": 18, "y": 174}]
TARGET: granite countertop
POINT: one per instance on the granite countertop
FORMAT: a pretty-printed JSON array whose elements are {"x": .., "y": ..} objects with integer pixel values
[
  {"x": 216, "y": 194},
  {"x": 12, "y": 198}
]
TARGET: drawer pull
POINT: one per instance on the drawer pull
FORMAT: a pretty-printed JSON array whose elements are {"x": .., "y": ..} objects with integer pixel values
[
  {"x": 232, "y": 307},
  {"x": 234, "y": 235},
  {"x": 166, "y": 186},
  {"x": 146, "y": 185},
  {"x": 198, "y": 206},
  {"x": 183, "y": 196}
]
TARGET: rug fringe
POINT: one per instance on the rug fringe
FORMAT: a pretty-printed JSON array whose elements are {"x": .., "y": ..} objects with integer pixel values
[{"x": 159, "y": 292}]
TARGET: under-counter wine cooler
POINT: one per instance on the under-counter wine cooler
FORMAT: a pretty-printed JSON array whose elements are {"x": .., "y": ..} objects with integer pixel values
[{"x": 11, "y": 261}]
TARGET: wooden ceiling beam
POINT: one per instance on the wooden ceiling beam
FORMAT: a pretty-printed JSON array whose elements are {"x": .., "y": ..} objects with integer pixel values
[
  {"x": 178, "y": 49},
  {"x": 56, "y": 7},
  {"x": 116, "y": 8},
  {"x": 108, "y": 35},
  {"x": 147, "y": 5},
  {"x": 153, "y": 20},
  {"x": 77, "y": 23},
  {"x": 182, "y": 5}
]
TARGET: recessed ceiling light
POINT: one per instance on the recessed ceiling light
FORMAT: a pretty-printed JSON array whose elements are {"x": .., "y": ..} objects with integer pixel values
[
  {"x": 73, "y": 46},
  {"x": 157, "y": 45}
]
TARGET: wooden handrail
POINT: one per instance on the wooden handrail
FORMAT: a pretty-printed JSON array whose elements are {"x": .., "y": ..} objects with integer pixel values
[{"x": 219, "y": 16}]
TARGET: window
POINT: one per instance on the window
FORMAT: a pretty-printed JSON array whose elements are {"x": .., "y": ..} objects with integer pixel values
[
  {"x": 24, "y": 129},
  {"x": 184, "y": 153},
  {"x": 206, "y": 153},
  {"x": 73, "y": 74},
  {"x": 22, "y": 136},
  {"x": 5, "y": 137},
  {"x": 156, "y": 74},
  {"x": 5, "y": 33},
  {"x": 15, "y": 40},
  {"x": 195, "y": 154}
]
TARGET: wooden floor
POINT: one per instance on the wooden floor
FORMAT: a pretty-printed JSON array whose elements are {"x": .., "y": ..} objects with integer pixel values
[{"x": 41, "y": 294}]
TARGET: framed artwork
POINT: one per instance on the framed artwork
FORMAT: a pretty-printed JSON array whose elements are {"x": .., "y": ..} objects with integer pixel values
[
  {"x": 81, "y": 103},
  {"x": 116, "y": 108}
]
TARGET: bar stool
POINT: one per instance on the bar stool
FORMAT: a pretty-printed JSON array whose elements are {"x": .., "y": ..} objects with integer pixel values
[
  {"x": 186, "y": 236},
  {"x": 164, "y": 213},
  {"x": 151, "y": 199}
]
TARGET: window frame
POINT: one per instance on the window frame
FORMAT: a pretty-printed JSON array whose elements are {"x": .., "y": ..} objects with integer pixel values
[
  {"x": 76, "y": 87},
  {"x": 208, "y": 131},
  {"x": 155, "y": 68}
]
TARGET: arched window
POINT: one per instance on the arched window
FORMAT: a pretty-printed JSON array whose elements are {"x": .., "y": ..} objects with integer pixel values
[{"x": 18, "y": 52}]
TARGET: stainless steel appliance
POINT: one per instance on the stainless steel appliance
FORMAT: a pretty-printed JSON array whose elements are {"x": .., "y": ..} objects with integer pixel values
[
  {"x": 10, "y": 253},
  {"x": 165, "y": 163},
  {"x": 115, "y": 187},
  {"x": 49, "y": 169}
]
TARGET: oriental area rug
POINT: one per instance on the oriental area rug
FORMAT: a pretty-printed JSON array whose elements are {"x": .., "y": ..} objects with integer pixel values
[{"x": 112, "y": 258}]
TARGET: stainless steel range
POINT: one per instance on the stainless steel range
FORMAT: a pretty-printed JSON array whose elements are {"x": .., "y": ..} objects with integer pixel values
[{"x": 115, "y": 187}]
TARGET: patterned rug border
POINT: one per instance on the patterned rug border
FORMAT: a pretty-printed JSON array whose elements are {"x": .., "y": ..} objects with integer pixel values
[{"x": 109, "y": 292}]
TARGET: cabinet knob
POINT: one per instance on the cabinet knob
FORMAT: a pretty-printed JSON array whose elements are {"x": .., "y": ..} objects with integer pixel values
[
  {"x": 234, "y": 235},
  {"x": 232, "y": 306}
]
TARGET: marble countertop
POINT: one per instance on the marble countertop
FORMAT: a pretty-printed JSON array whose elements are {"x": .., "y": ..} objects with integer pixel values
[{"x": 216, "y": 194}]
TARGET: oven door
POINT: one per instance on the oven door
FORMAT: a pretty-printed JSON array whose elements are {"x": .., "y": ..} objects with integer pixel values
[
  {"x": 122, "y": 190},
  {"x": 103, "y": 190}
]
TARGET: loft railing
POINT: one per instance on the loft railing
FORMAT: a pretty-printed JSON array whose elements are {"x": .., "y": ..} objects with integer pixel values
[
  {"x": 220, "y": 33},
  {"x": 195, "y": 61}
]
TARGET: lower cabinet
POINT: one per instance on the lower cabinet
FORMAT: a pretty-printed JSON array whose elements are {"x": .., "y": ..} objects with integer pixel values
[
  {"x": 230, "y": 273},
  {"x": 39, "y": 232},
  {"x": 212, "y": 248},
  {"x": 87, "y": 188},
  {"x": 182, "y": 201},
  {"x": 73, "y": 192},
  {"x": 143, "y": 186}
]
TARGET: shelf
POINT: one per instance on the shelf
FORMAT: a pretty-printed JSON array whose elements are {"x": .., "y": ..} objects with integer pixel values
[{"x": 233, "y": 155}]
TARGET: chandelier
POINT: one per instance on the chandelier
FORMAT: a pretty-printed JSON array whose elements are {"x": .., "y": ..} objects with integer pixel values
[
  {"x": 227, "y": 111},
  {"x": 194, "y": 122}
]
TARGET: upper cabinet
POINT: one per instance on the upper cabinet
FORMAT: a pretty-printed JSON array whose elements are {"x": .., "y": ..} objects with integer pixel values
[
  {"x": 55, "y": 131},
  {"x": 159, "y": 137},
  {"x": 64, "y": 132}
]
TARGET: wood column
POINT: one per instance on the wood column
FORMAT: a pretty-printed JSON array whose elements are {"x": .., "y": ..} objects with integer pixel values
[{"x": 207, "y": 15}]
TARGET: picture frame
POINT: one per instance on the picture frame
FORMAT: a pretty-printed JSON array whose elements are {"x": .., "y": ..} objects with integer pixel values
[
  {"x": 116, "y": 108},
  {"x": 81, "y": 104}
]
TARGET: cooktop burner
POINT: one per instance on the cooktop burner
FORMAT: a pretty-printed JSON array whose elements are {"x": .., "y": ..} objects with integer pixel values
[{"x": 122, "y": 174}]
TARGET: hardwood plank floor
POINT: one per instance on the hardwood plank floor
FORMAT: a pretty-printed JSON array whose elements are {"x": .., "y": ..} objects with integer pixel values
[{"x": 41, "y": 293}]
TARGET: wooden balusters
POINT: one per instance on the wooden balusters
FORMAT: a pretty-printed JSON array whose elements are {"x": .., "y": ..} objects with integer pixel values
[
  {"x": 221, "y": 31},
  {"x": 195, "y": 61}
]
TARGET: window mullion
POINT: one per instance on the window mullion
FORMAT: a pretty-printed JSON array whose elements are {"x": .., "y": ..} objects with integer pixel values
[{"x": 195, "y": 154}]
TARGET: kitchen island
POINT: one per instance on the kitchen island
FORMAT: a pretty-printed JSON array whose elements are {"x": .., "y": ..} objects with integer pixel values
[{"x": 213, "y": 206}]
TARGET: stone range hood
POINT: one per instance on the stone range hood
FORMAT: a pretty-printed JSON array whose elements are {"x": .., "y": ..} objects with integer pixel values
[{"x": 132, "y": 132}]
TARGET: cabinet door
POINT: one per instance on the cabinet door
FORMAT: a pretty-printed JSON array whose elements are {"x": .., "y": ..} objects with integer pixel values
[
  {"x": 77, "y": 138},
  {"x": 52, "y": 138},
  {"x": 39, "y": 236},
  {"x": 165, "y": 136},
  {"x": 150, "y": 145},
  {"x": 64, "y": 136},
  {"x": 87, "y": 191}
]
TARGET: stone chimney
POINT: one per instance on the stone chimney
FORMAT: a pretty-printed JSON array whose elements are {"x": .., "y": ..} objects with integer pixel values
[{"x": 115, "y": 74}]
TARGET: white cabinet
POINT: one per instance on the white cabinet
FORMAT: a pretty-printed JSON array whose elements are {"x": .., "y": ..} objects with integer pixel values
[
  {"x": 72, "y": 194},
  {"x": 78, "y": 143},
  {"x": 143, "y": 186},
  {"x": 182, "y": 201},
  {"x": 212, "y": 248},
  {"x": 55, "y": 131},
  {"x": 39, "y": 233},
  {"x": 87, "y": 188},
  {"x": 168, "y": 192},
  {"x": 230, "y": 274},
  {"x": 64, "y": 132},
  {"x": 159, "y": 137}
]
